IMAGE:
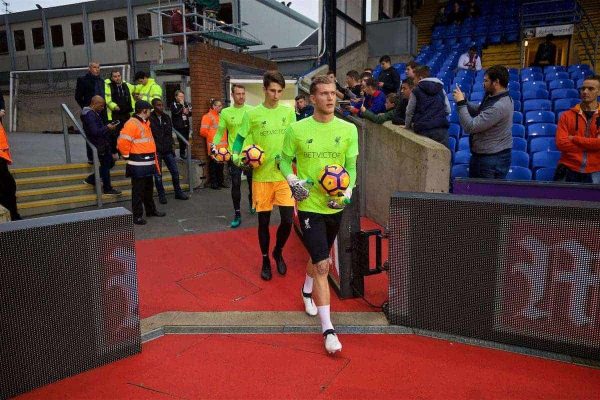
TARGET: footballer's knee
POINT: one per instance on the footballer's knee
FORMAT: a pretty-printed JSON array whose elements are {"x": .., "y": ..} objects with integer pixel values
[{"x": 322, "y": 267}]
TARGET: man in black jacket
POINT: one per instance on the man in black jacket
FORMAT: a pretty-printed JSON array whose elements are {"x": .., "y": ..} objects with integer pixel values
[
  {"x": 181, "y": 112},
  {"x": 88, "y": 86},
  {"x": 162, "y": 131},
  {"x": 389, "y": 80}
]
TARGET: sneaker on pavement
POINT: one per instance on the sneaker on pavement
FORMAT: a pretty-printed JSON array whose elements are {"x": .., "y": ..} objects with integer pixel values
[
  {"x": 162, "y": 199},
  {"x": 181, "y": 196},
  {"x": 236, "y": 221},
  {"x": 332, "y": 343},
  {"x": 309, "y": 304}
]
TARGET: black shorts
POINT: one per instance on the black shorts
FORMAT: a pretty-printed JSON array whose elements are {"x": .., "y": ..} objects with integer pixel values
[{"x": 318, "y": 233}]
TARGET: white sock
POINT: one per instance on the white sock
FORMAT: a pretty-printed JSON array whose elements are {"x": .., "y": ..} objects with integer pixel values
[
  {"x": 325, "y": 317},
  {"x": 308, "y": 285}
]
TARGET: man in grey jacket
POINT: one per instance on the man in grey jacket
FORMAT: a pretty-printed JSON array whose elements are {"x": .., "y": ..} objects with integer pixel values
[{"x": 489, "y": 126}]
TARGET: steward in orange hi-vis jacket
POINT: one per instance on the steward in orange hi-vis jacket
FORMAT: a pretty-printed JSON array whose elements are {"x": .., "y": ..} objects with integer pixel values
[
  {"x": 8, "y": 186},
  {"x": 136, "y": 145}
]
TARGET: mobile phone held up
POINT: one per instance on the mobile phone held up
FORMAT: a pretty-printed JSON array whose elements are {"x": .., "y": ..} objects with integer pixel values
[{"x": 115, "y": 123}]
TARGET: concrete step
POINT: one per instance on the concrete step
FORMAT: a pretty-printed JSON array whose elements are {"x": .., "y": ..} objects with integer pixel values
[
  {"x": 36, "y": 182},
  {"x": 45, "y": 206},
  {"x": 44, "y": 193},
  {"x": 61, "y": 169}
]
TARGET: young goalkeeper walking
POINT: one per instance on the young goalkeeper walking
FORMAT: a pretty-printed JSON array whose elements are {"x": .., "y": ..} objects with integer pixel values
[{"x": 315, "y": 142}]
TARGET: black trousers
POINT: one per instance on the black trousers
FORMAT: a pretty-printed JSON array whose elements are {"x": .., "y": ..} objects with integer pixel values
[
  {"x": 182, "y": 146},
  {"x": 8, "y": 190},
  {"x": 141, "y": 196},
  {"x": 215, "y": 173}
]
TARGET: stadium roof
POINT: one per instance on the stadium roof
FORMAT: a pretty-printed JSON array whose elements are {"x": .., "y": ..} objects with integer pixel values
[{"x": 107, "y": 5}]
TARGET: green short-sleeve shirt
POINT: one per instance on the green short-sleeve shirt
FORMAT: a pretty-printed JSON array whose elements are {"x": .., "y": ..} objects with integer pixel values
[
  {"x": 231, "y": 119},
  {"x": 266, "y": 127},
  {"x": 315, "y": 145}
]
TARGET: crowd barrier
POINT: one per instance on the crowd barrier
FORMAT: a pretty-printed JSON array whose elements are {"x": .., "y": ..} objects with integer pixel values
[
  {"x": 522, "y": 272},
  {"x": 69, "y": 296}
]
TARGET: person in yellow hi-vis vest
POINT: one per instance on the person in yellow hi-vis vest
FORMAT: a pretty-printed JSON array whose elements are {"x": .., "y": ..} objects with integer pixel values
[
  {"x": 146, "y": 89},
  {"x": 208, "y": 129},
  {"x": 136, "y": 145}
]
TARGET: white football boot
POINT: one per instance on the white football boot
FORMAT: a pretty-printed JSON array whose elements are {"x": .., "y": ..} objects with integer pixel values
[
  {"x": 309, "y": 304},
  {"x": 332, "y": 343}
]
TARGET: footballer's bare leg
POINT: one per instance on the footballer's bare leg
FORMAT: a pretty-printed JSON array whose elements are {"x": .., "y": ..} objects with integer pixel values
[{"x": 323, "y": 301}]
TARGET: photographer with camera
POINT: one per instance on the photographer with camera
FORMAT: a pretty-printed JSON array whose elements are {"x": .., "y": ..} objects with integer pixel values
[{"x": 181, "y": 111}]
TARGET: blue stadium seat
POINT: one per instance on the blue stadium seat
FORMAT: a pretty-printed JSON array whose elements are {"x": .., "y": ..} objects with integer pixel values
[
  {"x": 529, "y": 70},
  {"x": 565, "y": 104},
  {"x": 477, "y": 96},
  {"x": 518, "y": 174},
  {"x": 533, "y": 85},
  {"x": 516, "y": 86},
  {"x": 517, "y": 106},
  {"x": 452, "y": 144},
  {"x": 579, "y": 83},
  {"x": 517, "y": 118},
  {"x": 534, "y": 76},
  {"x": 554, "y": 68},
  {"x": 545, "y": 159},
  {"x": 460, "y": 171},
  {"x": 463, "y": 144},
  {"x": 534, "y": 117},
  {"x": 513, "y": 71},
  {"x": 537, "y": 130},
  {"x": 454, "y": 130},
  {"x": 532, "y": 105},
  {"x": 556, "y": 75},
  {"x": 578, "y": 67},
  {"x": 453, "y": 117},
  {"x": 535, "y": 94},
  {"x": 462, "y": 157},
  {"x": 518, "y": 130},
  {"x": 519, "y": 143},
  {"x": 516, "y": 95},
  {"x": 545, "y": 174},
  {"x": 565, "y": 94},
  {"x": 561, "y": 84},
  {"x": 542, "y": 144},
  {"x": 477, "y": 87},
  {"x": 519, "y": 159},
  {"x": 580, "y": 74}
]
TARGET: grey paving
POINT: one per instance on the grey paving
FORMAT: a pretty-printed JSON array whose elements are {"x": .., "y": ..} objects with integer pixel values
[{"x": 37, "y": 149}]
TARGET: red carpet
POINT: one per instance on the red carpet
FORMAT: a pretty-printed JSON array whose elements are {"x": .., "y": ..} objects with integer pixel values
[
  {"x": 295, "y": 366},
  {"x": 221, "y": 272}
]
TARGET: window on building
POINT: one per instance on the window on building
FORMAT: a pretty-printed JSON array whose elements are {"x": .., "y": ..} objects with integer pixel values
[
  {"x": 166, "y": 25},
  {"x": 57, "y": 36},
  {"x": 38, "y": 38},
  {"x": 225, "y": 13},
  {"x": 98, "y": 33},
  {"x": 77, "y": 37},
  {"x": 3, "y": 43},
  {"x": 144, "y": 26},
  {"x": 121, "y": 28},
  {"x": 20, "y": 40}
]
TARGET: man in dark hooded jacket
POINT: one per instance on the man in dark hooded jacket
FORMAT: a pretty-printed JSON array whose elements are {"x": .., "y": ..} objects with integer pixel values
[{"x": 428, "y": 107}]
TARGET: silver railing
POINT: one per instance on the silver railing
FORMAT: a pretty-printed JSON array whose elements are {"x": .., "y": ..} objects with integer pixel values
[
  {"x": 66, "y": 112},
  {"x": 189, "y": 158}
]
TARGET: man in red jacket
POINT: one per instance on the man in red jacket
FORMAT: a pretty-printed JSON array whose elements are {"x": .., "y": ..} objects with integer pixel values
[{"x": 577, "y": 137}]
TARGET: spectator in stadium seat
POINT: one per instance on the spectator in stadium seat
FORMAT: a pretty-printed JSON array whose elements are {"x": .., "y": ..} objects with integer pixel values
[
  {"x": 405, "y": 90},
  {"x": 181, "y": 112},
  {"x": 339, "y": 90},
  {"x": 440, "y": 18},
  {"x": 489, "y": 126},
  {"x": 410, "y": 69},
  {"x": 100, "y": 135},
  {"x": 303, "y": 108},
  {"x": 368, "y": 71},
  {"x": 428, "y": 107},
  {"x": 388, "y": 79},
  {"x": 374, "y": 99},
  {"x": 456, "y": 16},
  {"x": 470, "y": 60},
  {"x": 353, "y": 88},
  {"x": 546, "y": 53},
  {"x": 390, "y": 109},
  {"x": 577, "y": 137}
]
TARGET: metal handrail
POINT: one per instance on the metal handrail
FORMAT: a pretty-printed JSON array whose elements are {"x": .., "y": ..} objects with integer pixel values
[
  {"x": 98, "y": 185},
  {"x": 189, "y": 158}
]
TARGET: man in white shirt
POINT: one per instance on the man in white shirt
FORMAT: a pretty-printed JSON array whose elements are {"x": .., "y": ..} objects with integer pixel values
[{"x": 470, "y": 60}]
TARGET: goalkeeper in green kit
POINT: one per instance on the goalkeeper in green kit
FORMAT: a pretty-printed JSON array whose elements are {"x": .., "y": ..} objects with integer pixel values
[
  {"x": 230, "y": 120},
  {"x": 315, "y": 142}
]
